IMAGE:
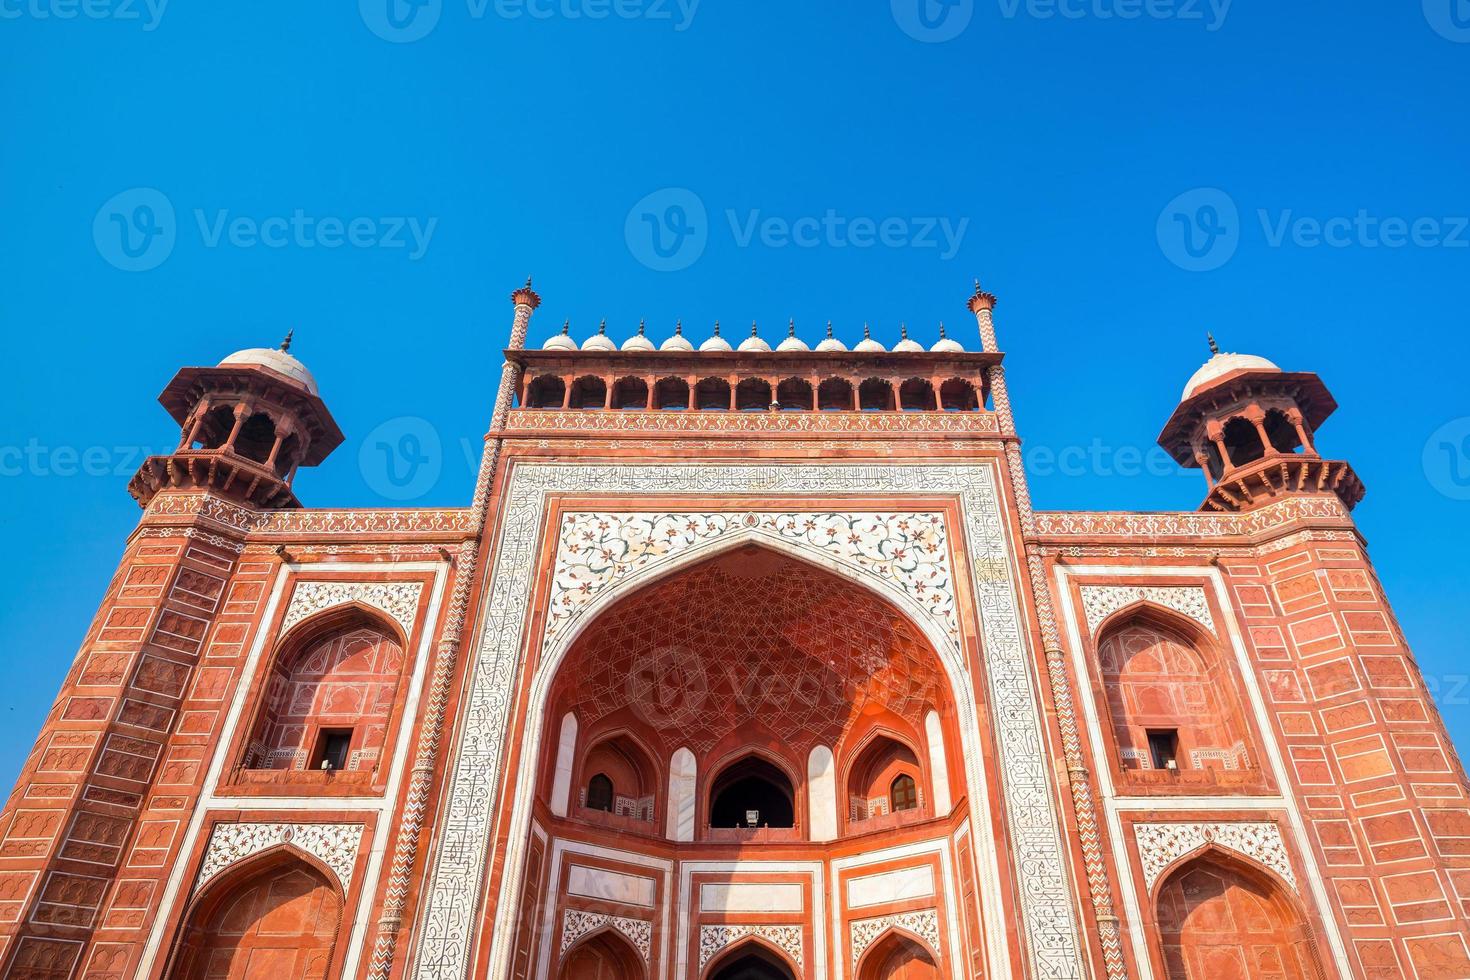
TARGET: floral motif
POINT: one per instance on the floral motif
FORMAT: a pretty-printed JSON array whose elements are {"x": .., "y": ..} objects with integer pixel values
[
  {"x": 536, "y": 420},
  {"x": 712, "y": 939},
  {"x": 924, "y": 924},
  {"x": 576, "y": 923},
  {"x": 1194, "y": 526},
  {"x": 1101, "y": 601},
  {"x": 335, "y": 844},
  {"x": 399, "y": 600},
  {"x": 1161, "y": 844},
  {"x": 597, "y": 550}
]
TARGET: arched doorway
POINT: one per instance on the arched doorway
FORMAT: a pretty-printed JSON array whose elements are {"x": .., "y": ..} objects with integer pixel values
[
  {"x": 896, "y": 957},
  {"x": 751, "y": 962},
  {"x": 277, "y": 918},
  {"x": 752, "y": 787},
  {"x": 1220, "y": 920},
  {"x": 605, "y": 956}
]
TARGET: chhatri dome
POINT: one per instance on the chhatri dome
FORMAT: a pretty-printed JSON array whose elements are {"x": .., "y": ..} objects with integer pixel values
[
  {"x": 561, "y": 341},
  {"x": 1221, "y": 365},
  {"x": 277, "y": 359}
]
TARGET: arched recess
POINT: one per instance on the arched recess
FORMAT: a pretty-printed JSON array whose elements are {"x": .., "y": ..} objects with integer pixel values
[
  {"x": 1225, "y": 918},
  {"x": 331, "y": 696},
  {"x": 631, "y": 778},
  {"x": 752, "y": 783},
  {"x": 275, "y": 915},
  {"x": 602, "y": 955},
  {"x": 885, "y": 778},
  {"x": 1171, "y": 699},
  {"x": 897, "y": 955},
  {"x": 962, "y": 719},
  {"x": 752, "y": 959}
]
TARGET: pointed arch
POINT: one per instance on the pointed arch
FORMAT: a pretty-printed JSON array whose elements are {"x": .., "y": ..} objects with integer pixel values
[
  {"x": 1220, "y": 914},
  {"x": 897, "y": 953},
  {"x": 760, "y": 952},
  {"x": 279, "y": 911},
  {"x": 604, "y": 953}
]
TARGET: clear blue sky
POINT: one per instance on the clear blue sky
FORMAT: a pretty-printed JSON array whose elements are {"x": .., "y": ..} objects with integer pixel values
[{"x": 521, "y": 137}]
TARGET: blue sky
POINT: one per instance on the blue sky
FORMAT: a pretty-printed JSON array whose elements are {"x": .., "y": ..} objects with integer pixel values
[{"x": 1124, "y": 174}]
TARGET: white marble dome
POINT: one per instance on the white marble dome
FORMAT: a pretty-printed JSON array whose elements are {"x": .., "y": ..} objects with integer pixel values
[
  {"x": 561, "y": 341},
  {"x": 638, "y": 341},
  {"x": 944, "y": 345},
  {"x": 754, "y": 341},
  {"x": 277, "y": 360},
  {"x": 830, "y": 343},
  {"x": 868, "y": 345},
  {"x": 678, "y": 341},
  {"x": 715, "y": 343},
  {"x": 906, "y": 344},
  {"x": 1220, "y": 365},
  {"x": 600, "y": 340},
  {"x": 792, "y": 341}
]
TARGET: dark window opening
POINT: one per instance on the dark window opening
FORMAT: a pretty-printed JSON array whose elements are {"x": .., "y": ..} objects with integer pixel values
[
  {"x": 750, "y": 794},
  {"x": 600, "y": 793},
  {"x": 1242, "y": 442},
  {"x": 755, "y": 965},
  {"x": 1282, "y": 433},
  {"x": 332, "y": 745},
  {"x": 903, "y": 794},
  {"x": 1163, "y": 749}
]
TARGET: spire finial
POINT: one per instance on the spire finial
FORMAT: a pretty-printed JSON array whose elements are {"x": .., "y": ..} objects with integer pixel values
[
  {"x": 566, "y": 328},
  {"x": 753, "y": 329},
  {"x": 717, "y": 328},
  {"x": 867, "y": 334},
  {"x": 602, "y": 327},
  {"x": 528, "y": 282},
  {"x": 829, "y": 329},
  {"x": 903, "y": 331},
  {"x": 977, "y": 287},
  {"x": 791, "y": 327},
  {"x": 286, "y": 344},
  {"x": 640, "y": 327},
  {"x": 1214, "y": 347},
  {"x": 941, "y": 329},
  {"x": 679, "y": 328}
]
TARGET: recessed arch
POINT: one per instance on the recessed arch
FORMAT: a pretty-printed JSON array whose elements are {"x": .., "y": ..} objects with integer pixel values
[
  {"x": 588, "y": 392},
  {"x": 671, "y": 394},
  {"x": 898, "y": 954},
  {"x": 281, "y": 907},
  {"x": 752, "y": 958},
  {"x": 602, "y": 954},
  {"x": 546, "y": 391},
  {"x": 630, "y": 394},
  {"x": 752, "y": 783},
  {"x": 1219, "y": 914}
]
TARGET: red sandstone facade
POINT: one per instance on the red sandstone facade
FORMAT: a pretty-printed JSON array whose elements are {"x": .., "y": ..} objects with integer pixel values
[{"x": 740, "y": 664}]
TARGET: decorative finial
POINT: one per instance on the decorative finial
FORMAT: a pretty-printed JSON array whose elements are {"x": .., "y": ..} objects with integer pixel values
[
  {"x": 867, "y": 334},
  {"x": 977, "y": 287},
  {"x": 717, "y": 328},
  {"x": 829, "y": 329},
  {"x": 286, "y": 344},
  {"x": 791, "y": 327},
  {"x": 602, "y": 327},
  {"x": 566, "y": 328},
  {"x": 903, "y": 331},
  {"x": 941, "y": 329},
  {"x": 679, "y": 328},
  {"x": 640, "y": 328},
  {"x": 526, "y": 296},
  {"x": 752, "y": 328},
  {"x": 528, "y": 282},
  {"x": 1214, "y": 347}
]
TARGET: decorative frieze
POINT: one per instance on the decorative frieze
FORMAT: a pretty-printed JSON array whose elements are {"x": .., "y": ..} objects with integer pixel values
[
  {"x": 924, "y": 924},
  {"x": 713, "y": 939},
  {"x": 334, "y": 844},
  {"x": 1160, "y": 845},
  {"x": 1101, "y": 601},
  {"x": 576, "y": 923},
  {"x": 537, "y": 420},
  {"x": 399, "y": 600}
]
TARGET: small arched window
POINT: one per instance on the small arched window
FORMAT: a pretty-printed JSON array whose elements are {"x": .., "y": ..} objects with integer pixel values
[
  {"x": 903, "y": 794},
  {"x": 600, "y": 793}
]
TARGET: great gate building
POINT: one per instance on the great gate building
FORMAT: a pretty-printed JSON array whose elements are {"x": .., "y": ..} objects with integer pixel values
[{"x": 740, "y": 664}]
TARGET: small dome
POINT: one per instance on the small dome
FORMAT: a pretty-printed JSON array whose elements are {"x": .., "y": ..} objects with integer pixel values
[
  {"x": 600, "y": 340},
  {"x": 868, "y": 345},
  {"x": 754, "y": 341},
  {"x": 678, "y": 341},
  {"x": 946, "y": 346},
  {"x": 792, "y": 341},
  {"x": 905, "y": 344},
  {"x": 1220, "y": 365},
  {"x": 830, "y": 343},
  {"x": 561, "y": 341},
  {"x": 716, "y": 343},
  {"x": 638, "y": 341},
  {"x": 278, "y": 360}
]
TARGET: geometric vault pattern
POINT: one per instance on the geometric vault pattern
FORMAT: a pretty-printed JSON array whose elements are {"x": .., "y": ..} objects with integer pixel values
[{"x": 452, "y": 890}]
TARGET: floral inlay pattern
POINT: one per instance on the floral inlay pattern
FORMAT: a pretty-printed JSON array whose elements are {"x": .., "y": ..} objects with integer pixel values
[
  {"x": 335, "y": 844},
  {"x": 712, "y": 939},
  {"x": 595, "y": 551},
  {"x": 1101, "y": 601},
  {"x": 400, "y": 600},
  {"x": 1161, "y": 844},
  {"x": 924, "y": 924},
  {"x": 576, "y": 923}
]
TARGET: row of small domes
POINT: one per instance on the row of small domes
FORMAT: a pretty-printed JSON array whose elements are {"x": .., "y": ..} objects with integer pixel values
[{"x": 600, "y": 341}]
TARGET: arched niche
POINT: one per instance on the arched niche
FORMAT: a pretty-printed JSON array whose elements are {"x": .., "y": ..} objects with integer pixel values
[
  {"x": 885, "y": 781},
  {"x": 1224, "y": 918},
  {"x": 602, "y": 955},
  {"x": 278, "y": 915},
  {"x": 752, "y": 959},
  {"x": 752, "y": 783},
  {"x": 897, "y": 956},
  {"x": 331, "y": 697},
  {"x": 1171, "y": 703},
  {"x": 618, "y": 777}
]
